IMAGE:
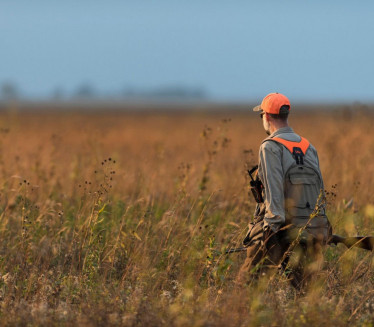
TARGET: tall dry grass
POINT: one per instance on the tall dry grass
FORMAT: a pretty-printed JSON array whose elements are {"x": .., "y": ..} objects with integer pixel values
[{"x": 110, "y": 219}]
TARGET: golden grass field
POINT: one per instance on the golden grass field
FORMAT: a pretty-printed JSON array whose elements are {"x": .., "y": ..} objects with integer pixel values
[{"x": 114, "y": 219}]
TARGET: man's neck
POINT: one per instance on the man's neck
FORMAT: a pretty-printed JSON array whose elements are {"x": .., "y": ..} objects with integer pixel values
[{"x": 277, "y": 125}]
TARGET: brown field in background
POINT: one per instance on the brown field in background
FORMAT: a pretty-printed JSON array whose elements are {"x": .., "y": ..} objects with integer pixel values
[
  {"x": 110, "y": 218},
  {"x": 156, "y": 151}
]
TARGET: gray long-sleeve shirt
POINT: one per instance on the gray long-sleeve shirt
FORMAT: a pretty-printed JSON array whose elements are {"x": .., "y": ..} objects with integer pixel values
[{"x": 274, "y": 162}]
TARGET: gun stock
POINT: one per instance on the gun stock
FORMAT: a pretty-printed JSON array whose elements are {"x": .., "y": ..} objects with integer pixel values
[{"x": 362, "y": 242}]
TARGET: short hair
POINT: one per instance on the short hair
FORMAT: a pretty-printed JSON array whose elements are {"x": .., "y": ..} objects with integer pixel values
[{"x": 283, "y": 113}]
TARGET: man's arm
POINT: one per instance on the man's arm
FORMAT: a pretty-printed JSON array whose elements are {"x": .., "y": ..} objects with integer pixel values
[{"x": 271, "y": 175}]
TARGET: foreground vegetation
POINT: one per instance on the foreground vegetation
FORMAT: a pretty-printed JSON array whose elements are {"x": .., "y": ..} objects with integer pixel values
[{"x": 110, "y": 219}]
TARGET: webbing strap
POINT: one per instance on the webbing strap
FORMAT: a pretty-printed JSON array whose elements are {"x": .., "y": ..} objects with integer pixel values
[
  {"x": 298, "y": 149},
  {"x": 303, "y": 145}
]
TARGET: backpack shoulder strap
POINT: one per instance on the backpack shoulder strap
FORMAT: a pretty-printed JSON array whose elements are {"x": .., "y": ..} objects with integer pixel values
[
  {"x": 290, "y": 145},
  {"x": 297, "y": 149}
]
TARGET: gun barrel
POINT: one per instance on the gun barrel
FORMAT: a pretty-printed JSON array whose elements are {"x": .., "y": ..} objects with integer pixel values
[
  {"x": 250, "y": 172},
  {"x": 233, "y": 250}
]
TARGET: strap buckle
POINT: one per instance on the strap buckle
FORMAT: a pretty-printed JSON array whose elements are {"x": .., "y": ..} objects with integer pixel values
[{"x": 299, "y": 155}]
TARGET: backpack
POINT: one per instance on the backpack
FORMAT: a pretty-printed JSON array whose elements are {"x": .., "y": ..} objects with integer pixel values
[{"x": 303, "y": 194}]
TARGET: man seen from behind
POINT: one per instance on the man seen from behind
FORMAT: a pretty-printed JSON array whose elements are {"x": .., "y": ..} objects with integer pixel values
[{"x": 291, "y": 216}]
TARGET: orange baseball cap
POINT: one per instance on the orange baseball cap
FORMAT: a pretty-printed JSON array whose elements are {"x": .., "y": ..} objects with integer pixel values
[{"x": 272, "y": 103}]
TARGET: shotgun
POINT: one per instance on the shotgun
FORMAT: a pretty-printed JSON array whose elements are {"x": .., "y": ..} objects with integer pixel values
[{"x": 361, "y": 242}]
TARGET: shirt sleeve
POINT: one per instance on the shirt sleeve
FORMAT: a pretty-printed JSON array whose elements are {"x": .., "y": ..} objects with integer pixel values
[
  {"x": 271, "y": 175},
  {"x": 318, "y": 169}
]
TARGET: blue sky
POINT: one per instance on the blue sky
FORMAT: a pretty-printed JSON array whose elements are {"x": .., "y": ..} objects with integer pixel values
[{"x": 235, "y": 50}]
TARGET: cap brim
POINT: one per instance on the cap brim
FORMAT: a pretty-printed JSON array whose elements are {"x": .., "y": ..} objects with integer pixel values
[{"x": 257, "y": 108}]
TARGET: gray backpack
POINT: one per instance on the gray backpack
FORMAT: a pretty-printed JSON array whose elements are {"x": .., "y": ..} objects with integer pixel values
[{"x": 304, "y": 194}]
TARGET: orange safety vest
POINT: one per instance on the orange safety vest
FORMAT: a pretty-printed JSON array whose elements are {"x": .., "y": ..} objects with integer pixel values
[{"x": 298, "y": 149}]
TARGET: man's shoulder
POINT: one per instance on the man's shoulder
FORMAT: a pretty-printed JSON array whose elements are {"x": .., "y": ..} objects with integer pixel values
[
  {"x": 270, "y": 145},
  {"x": 312, "y": 147}
]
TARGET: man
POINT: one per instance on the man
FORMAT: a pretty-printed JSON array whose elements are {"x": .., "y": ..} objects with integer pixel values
[{"x": 291, "y": 218}]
